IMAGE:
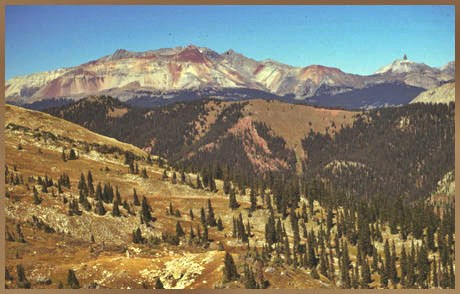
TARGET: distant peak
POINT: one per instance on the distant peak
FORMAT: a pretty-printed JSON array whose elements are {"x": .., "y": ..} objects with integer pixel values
[
  {"x": 403, "y": 65},
  {"x": 120, "y": 53},
  {"x": 449, "y": 66},
  {"x": 121, "y": 50},
  {"x": 191, "y": 53},
  {"x": 191, "y": 47},
  {"x": 321, "y": 67}
]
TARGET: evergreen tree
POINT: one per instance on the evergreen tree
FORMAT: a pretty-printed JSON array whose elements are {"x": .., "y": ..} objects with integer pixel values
[
  {"x": 82, "y": 183},
  {"x": 423, "y": 267},
  {"x": 179, "y": 231},
  {"x": 204, "y": 237},
  {"x": 220, "y": 226},
  {"x": 312, "y": 260},
  {"x": 191, "y": 214},
  {"x": 8, "y": 276},
  {"x": 203, "y": 217},
  {"x": 365, "y": 275},
  {"x": 253, "y": 199},
  {"x": 270, "y": 231},
  {"x": 159, "y": 284},
  {"x": 117, "y": 196},
  {"x": 170, "y": 210},
  {"x": 198, "y": 233},
  {"x": 250, "y": 282},
  {"x": 451, "y": 274},
  {"x": 22, "y": 281},
  {"x": 233, "y": 204},
  {"x": 345, "y": 266},
  {"x": 135, "y": 198},
  {"x": 211, "y": 219},
  {"x": 383, "y": 277},
  {"x": 146, "y": 215},
  {"x": 115, "y": 209},
  {"x": 227, "y": 186},
  {"x": 100, "y": 209},
  {"x": 329, "y": 216},
  {"x": 295, "y": 227},
  {"x": 72, "y": 280},
  {"x": 229, "y": 272},
  {"x": 137, "y": 236},
  {"x": 144, "y": 173},
  {"x": 354, "y": 277},
  {"x": 375, "y": 260},
  {"x": 287, "y": 251},
  {"x": 389, "y": 265},
  {"x": 72, "y": 155},
  {"x": 90, "y": 183},
  {"x": 410, "y": 280},
  {"x": 393, "y": 273},
  {"x": 198, "y": 182},
  {"x": 99, "y": 192},
  {"x": 403, "y": 265},
  {"x": 212, "y": 184},
  {"x": 37, "y": 199},
  {"x": 314, "y": 274},
  {"x": 191, "y": 234},
  {"x": 364, "y": 235},
  {"x": 323, "y": 263}
]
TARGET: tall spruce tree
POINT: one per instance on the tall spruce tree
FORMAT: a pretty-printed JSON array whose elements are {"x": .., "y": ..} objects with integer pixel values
[
  {"x": 211, "y": 220},
  {"x": 179, "y": 231},
  {"x": 72, "y": 280},
  {"x": 229, "y": 271},
  {"x": 135, "y": 198},
  {"x": 233, "y": 204},
  {"x": 22, "y": 281},
  {"x": 146, "y": 215}
]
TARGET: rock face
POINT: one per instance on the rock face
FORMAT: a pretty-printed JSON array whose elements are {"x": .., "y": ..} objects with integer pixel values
[
  {"x": 128, "y": 75},
  {"x": 441, "y": 94}
]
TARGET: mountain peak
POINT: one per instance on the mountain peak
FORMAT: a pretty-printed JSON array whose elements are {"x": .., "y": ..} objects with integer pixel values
[
  {"x": 191, "y": 47},
  {"x": 321, "y": 68},
  {"x": 120, "y": 54},
  {"x": 449, "y": 66},
  {"x": 191, "y": 53},
  {"x": 403, "y": 65}
]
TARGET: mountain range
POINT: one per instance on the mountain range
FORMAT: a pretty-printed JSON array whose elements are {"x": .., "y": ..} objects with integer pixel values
[{"x": 163, "y": 76}]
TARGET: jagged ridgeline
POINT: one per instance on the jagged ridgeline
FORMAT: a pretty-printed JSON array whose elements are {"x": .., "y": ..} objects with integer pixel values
[{"x": 389, "y": 152}]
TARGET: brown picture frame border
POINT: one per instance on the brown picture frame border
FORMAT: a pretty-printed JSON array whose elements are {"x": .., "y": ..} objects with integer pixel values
[{"x": 5, "y": 3}]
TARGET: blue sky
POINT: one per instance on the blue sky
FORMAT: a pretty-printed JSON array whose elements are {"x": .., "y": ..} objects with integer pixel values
[{"x": 357, "y": 39}]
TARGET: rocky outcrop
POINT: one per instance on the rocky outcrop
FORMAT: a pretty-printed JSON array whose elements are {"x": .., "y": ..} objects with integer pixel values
[{"x": 441, "y": 94}]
